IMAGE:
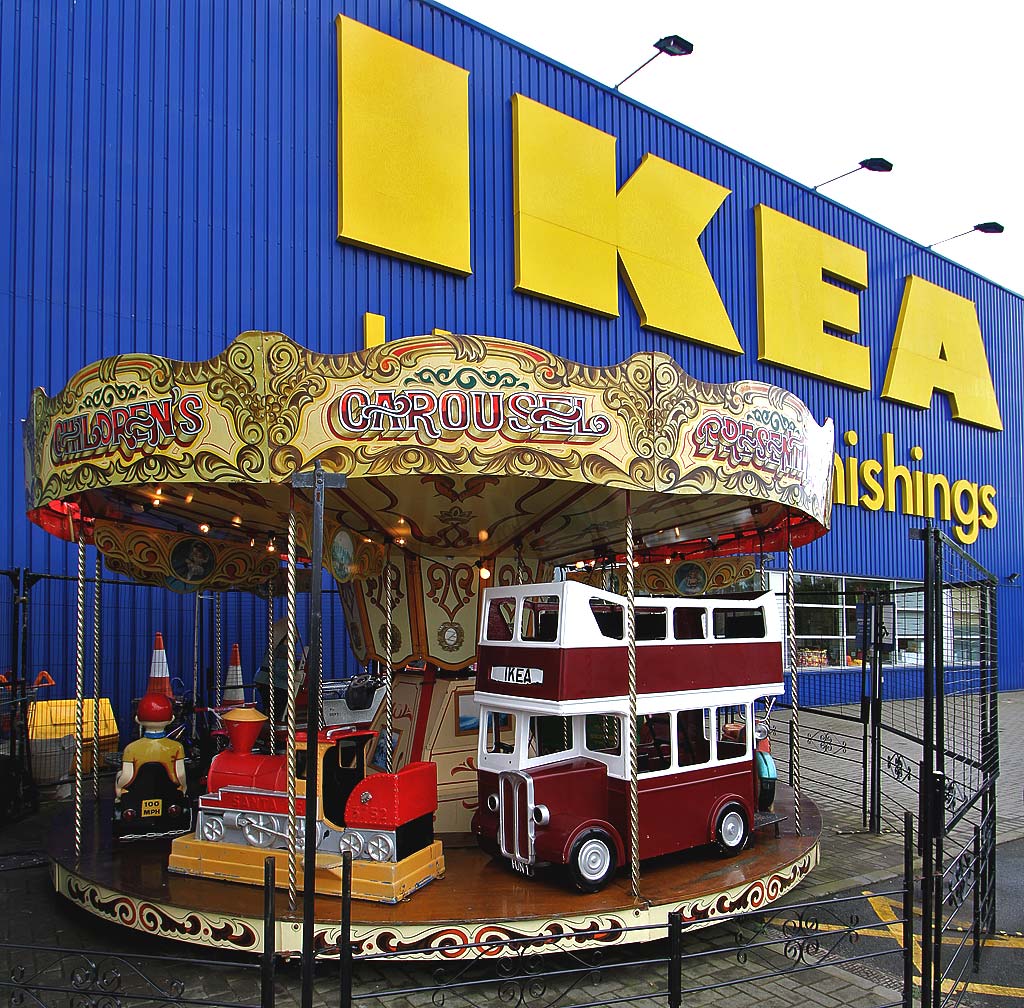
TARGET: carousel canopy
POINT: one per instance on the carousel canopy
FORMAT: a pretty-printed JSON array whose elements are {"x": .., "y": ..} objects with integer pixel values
[{"x": 462, "y": 452}]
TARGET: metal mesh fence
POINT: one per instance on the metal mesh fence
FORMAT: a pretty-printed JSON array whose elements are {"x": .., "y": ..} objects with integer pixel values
[{"x": 966, "y": 692}]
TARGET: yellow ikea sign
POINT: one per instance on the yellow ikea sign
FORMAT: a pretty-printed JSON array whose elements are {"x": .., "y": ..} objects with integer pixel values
[{"x": 403, "y": 188}]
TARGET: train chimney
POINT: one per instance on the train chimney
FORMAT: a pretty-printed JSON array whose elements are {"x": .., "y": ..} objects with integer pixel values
[{"x": 244, "y": 725}]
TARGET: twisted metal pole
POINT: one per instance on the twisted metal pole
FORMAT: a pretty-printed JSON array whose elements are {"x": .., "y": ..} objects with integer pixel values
[
  {"x": 292, "y": 689},
  {"x": 96, "y": 651},
  {"x": 271, "y": 660},
  {"x": 388, "y": 656},
  {"x": 794, "y": 755},
  {"x": 195, "y": 653},
  {"x": 218, "y": 648},
  {"x": 634, "y": 807},
  {"x": 79, "y": 690}
]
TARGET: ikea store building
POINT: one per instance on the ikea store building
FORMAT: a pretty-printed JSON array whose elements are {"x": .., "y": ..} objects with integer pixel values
[{"x": 174, "y": 175}]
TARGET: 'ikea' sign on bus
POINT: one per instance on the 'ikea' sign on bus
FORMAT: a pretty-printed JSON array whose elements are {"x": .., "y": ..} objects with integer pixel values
[{"x": 403, "y": 188}]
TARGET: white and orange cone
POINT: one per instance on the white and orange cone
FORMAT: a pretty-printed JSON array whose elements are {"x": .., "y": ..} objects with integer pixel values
[
  {"x": 159, "y": 674},
  {"x": 234, "y": 688}
]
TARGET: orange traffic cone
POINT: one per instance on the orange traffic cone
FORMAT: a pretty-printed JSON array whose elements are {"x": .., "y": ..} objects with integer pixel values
[
  {"x": 234, "y": 691},
  {"x": 159, "y": 675}
]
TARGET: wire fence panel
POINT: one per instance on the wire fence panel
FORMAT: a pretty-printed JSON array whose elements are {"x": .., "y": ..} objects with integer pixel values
[{"x": 52, "y": 977}]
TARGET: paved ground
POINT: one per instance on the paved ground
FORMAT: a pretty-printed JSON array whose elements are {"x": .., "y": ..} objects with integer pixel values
[{"x": 853, "y": 863}]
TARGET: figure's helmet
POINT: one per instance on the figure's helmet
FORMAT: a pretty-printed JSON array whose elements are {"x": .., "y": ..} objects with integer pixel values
[{"x": 155, "y": 708}]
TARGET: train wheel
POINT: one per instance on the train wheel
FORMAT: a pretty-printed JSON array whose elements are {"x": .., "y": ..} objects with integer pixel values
[
  {"x": 731, "y": 831},
  {"x": 592, "y": 860},
  {"x": 351, "y": 841},
  {"x": 213, "y": 828},
  {"x": 259, "y": 830},
  {"x": 379, "y": 847}
]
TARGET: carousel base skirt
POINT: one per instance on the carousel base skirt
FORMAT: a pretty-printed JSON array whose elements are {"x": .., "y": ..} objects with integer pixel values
[{"x": 478, "y": 900}]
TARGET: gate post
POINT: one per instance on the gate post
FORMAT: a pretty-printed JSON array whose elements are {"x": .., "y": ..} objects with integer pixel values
[
  {"x": 675, "y": 960},
  {"x": 924, "y": 843},
  {"x": 267, "y": 993},
  {"x": 937, "y": 816},
  {"x": 908, "y": 910},
  {"x": 867, "y": 789},
  {"x": 979, "y": 878},
  {"x": 876, "y": 713},
  {"x": 345, "y": 938}
]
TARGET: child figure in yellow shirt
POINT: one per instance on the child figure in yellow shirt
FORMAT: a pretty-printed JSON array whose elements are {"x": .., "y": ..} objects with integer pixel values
[{"x": 155, "y": 713}]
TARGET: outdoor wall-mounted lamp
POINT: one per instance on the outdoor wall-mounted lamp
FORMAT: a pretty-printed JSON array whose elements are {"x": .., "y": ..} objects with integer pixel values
[
  {"x": 872, "y": 164},
  {"x": 988, "y": 227},
  {"x": 670, "y": 45}
]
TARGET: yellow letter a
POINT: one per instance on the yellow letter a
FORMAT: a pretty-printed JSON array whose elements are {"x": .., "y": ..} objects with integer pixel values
[{"x": 938, "y": 347}]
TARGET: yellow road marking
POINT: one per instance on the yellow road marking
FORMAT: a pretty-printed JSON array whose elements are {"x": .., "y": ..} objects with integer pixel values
[{"x": 884, "y": 907}]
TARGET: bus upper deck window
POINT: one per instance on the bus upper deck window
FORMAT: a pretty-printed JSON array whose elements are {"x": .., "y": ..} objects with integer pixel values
[
  {"x": 609, "y": 617},
  {"x": 540, "y": 618},
  {"x": 689, "y": 624},
  {"x": 731, "y": 624},
  {"x": 501, "y": 615},
  {"x": 650, "y": 624}
]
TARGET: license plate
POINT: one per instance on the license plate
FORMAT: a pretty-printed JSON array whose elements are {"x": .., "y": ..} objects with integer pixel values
[{"x": 152, "y": 806}]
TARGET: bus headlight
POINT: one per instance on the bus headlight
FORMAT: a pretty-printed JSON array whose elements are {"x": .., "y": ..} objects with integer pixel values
[
  {"x": 492, "y": 801},
  {"x": 541, "y": 815}
]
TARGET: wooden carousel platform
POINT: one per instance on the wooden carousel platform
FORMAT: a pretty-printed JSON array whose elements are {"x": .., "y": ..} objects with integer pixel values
[{"x": 479, "y": 899}]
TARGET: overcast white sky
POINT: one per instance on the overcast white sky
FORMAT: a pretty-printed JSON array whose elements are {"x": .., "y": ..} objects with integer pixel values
[{"x": 812, "y": 88}]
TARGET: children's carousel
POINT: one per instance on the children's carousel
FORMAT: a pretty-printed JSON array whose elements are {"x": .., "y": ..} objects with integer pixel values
[{"x": 561, "y": 730}]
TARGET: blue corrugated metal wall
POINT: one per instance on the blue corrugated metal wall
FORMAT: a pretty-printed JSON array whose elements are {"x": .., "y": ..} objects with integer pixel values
[{"x": 167, "y": 180}]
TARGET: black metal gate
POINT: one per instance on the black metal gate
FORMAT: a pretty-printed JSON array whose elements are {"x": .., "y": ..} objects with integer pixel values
[
  {"x": 959, "y": 764},
  {"x": 923, "y": 739}
]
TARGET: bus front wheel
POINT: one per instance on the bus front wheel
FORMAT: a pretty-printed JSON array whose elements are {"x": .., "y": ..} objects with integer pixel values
[
  {"x": 731, "y": 830},
  {"x": 592, "y": 860}
]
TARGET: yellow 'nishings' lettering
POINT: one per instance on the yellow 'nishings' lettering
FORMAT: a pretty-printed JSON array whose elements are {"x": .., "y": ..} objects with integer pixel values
[{"x": 873, "y": 484}]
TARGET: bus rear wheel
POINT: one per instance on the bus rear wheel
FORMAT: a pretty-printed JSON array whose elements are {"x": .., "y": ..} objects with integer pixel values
[
  {"x": 731, "y": 830},
  {"x": 592, "y": 860}
]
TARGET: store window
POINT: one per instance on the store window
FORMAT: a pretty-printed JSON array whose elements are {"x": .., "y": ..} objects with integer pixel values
[{"x": 830, "y": 624}]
